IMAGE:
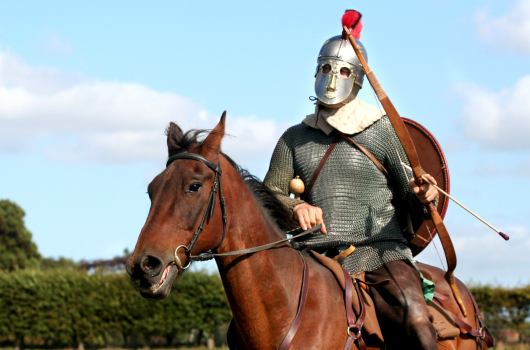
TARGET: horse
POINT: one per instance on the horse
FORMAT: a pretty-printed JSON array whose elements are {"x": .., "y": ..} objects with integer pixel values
[{"x": 263, "y": 288}]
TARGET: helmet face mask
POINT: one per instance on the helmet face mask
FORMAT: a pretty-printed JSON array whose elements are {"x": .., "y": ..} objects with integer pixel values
[
  {"x": 338, "y": 70},
  {"x": 334, "y": 79}
]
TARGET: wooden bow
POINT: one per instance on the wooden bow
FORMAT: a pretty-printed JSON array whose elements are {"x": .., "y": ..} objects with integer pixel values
[{"x": 412, "y": 154}]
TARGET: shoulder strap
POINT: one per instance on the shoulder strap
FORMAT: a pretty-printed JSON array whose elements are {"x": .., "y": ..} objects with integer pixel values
[
  {"x": 328, "y": 153},
  {"x": 366, "y": 152},
  {"x": 314, "y": 178}
]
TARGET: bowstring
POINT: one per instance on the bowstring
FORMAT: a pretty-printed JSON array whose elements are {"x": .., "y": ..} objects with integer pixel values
[{"x": 435, "y": 246}]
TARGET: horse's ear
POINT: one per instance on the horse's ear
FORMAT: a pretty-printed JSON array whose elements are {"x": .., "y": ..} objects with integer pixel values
[
  {"x": 211, "y": 145},
  {"x": 174, "y": 137}
]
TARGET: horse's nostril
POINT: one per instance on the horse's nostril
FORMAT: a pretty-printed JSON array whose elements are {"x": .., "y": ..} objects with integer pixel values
[{"x": 151, "y": 265}]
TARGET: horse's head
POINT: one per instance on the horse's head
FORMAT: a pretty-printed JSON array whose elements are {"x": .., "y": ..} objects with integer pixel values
[{"x": 181, "y": 198}]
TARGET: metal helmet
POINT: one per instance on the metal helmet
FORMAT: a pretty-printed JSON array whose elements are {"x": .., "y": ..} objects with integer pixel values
[{"x": 336, "y": 54}]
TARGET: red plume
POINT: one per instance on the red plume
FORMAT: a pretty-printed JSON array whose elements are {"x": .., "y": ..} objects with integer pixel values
[{"x": 352, "y": 19}]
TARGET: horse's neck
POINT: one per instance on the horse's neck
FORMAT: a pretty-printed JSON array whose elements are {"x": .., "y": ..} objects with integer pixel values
[{"x": 262, "y": 287}]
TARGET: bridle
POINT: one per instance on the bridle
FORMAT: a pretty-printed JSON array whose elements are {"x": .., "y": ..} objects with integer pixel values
[
  {"x": 210, "y": 206},
  {"x": 208, "y": 213}
]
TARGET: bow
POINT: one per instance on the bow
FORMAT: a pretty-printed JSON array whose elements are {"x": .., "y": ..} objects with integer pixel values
[{"x": 412, "y": 154}]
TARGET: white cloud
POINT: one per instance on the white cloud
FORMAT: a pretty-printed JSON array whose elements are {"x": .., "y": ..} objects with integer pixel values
[
  {"x": 521, "y": 168},
  {"x": 511, "y": 31},
  {"x": 14, "y": 74},
  {"x": 55, "y": 44},
  {"x": 106, "y": 121},
  {"x": 484, "y": 256},
  {"x": 497, "y": 119}
]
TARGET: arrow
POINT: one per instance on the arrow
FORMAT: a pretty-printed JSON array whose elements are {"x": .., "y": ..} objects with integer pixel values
[{"x": 503, "y": 235}]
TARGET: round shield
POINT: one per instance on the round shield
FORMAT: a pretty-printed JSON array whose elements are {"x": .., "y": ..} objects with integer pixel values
[{"x": 433, "y": 162}]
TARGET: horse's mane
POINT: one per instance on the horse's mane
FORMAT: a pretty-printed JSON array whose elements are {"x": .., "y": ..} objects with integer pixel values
[{"x": 264, "y": 196}]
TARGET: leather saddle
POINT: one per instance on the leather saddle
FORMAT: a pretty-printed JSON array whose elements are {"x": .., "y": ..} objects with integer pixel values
[{"x": 448, "y": 326}]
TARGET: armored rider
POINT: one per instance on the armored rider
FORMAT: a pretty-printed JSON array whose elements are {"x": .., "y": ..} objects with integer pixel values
[{"x": 353, "y": 199}]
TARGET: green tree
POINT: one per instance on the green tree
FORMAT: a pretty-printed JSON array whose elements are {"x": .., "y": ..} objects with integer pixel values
[
  {"x": 60, "y": 263},
  {"x": 17, "y": 250},
  {"x": 504, "y": 308}
]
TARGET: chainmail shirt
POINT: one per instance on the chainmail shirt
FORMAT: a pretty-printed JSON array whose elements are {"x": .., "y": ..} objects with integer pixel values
[{"x": 358, "y": 201}]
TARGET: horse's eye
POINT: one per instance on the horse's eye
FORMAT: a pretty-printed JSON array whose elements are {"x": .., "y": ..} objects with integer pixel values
[{"x": 194, "y": 187}]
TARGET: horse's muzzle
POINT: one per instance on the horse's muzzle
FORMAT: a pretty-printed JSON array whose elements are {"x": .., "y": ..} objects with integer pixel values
[{"x": 151, "y": 277}]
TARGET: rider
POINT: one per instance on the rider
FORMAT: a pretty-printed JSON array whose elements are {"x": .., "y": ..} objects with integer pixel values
[{"x": 353, "y": 199}]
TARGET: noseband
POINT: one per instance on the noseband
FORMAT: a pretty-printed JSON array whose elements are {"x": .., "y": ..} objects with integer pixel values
[{"x": 210, "y": 206}]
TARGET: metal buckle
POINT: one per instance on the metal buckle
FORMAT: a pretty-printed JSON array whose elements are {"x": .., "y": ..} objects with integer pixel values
[
  {"x": 482, "y": 333},
  {"x": 351, "y": 331},
  {"x": 177, "y": 261}
]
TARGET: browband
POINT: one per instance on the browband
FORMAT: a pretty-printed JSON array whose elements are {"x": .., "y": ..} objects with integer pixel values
[{"x": 194, "y": 156}]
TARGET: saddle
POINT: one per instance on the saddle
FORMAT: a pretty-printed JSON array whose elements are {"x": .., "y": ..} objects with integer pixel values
[{"x": 447, "y": 325}]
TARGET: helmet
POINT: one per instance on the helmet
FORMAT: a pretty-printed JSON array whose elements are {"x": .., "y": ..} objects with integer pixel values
[
  {"x": 337, "y": 54},
  {"x": 338, "y": 67}
]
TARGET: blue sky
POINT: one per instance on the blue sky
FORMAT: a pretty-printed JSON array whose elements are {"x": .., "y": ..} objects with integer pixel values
[{"x": 87, "y": 89}]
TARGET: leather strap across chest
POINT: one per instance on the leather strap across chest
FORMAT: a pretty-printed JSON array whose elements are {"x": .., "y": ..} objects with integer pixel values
[
  {"x": 323, "y": 161},
  {"x": 330, "y": 149}
]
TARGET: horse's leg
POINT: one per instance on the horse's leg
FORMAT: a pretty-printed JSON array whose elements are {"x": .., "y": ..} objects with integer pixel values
[{"x": 401, "y": 308}]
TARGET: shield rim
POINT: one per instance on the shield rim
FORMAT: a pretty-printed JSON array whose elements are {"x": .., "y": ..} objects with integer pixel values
[{"x": 417, "y": 244}]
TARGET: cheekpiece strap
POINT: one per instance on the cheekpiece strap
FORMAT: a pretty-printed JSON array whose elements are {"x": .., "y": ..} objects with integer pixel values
[{"x": 210, "y": 206}]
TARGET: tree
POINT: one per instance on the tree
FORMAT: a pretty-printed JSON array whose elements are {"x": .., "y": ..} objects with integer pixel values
[
  {"x": 17, "y": 250},
  {"x": 59, "y": 263}
]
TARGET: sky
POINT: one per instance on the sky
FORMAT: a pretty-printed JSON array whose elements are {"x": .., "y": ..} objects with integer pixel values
[{"x": 88, "y": 88}]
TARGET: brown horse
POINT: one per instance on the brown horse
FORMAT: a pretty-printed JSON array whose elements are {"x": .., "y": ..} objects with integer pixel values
[{"x": 263, "y": 288}]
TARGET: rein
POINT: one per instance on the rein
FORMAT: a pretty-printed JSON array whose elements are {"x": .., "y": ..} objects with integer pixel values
[
  {"x": 204, "y": 257},
  {"x": 208, "y": 213}
]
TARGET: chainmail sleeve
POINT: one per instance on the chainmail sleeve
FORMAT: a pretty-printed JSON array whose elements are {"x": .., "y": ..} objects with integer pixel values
[
  {"x": 405, "y": 200},
  {"x": 281, "y": 170}
]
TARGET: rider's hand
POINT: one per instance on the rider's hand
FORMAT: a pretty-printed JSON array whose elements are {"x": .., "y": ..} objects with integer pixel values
[
  {"x": 309, "y": 216},
  {"x": 426, "y": 193}
]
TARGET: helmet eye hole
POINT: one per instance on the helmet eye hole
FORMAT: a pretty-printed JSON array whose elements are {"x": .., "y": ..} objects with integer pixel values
[
  {"x": 345, "y": 72},
  {"x": 326, "y": 68}
]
